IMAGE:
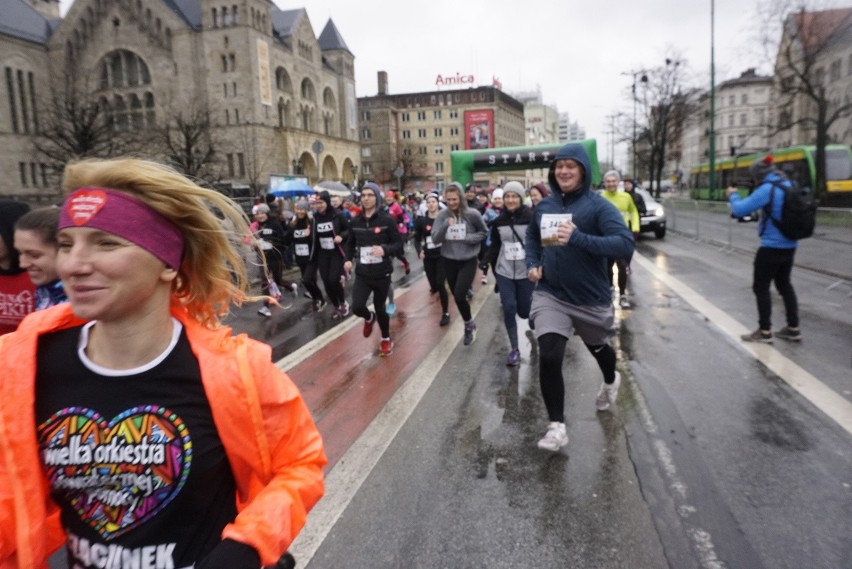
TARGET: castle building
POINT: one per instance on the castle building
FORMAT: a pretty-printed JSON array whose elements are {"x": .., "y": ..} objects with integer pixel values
[{"x": 251, "y": 86}]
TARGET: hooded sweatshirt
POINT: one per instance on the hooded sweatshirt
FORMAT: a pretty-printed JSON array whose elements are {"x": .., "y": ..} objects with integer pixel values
[
  {"x": 577, "y": 272},
  {"x": 330, "y": 224},
  {"x": 462, "y": 245}
]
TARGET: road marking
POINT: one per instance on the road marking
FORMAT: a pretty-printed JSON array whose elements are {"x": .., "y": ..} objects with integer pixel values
[
  {"x": 356, "y": 464},
  {"x": 823, "y": 397}
]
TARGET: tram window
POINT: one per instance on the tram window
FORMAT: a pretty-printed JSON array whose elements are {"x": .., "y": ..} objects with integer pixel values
[{"x": 837, "y": 165}]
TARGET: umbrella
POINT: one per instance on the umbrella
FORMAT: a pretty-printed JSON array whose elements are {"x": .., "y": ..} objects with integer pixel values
[
  {"x": 291, "y": 188},
  {"x": 334, "y": 188}
]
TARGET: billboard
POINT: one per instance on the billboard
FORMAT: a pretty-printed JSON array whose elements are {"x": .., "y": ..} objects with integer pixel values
[{"x": 478, "y": 129}]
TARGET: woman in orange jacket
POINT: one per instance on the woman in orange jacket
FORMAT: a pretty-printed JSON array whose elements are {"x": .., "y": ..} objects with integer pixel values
[{"x": 133, "y": 427}]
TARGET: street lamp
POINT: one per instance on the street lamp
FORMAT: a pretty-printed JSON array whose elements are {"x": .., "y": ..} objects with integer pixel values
[
  {"x": 712, "y": 190},
  {"x": 644, "y": 79},
  {"x": 354, "y": 169}
]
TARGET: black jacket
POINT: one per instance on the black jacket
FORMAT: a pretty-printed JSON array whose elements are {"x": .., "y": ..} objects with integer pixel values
[
  {"x": 379, "y": 229},
  {"x": 422, "y": 230},
  {"x": 328, "y": 225},
  {"x": 303, "y": 233}
]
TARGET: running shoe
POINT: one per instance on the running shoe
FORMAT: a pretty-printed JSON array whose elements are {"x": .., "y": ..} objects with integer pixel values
[
  {"x": 514, "y": 358},
  {"x": 758, "y": 336},
  {"x": 555, "y": 438},
  {"x": 344, "y": 310},
  {"x": 445, "y": 319},
  {"x": 295, "y": 288},
  {"x": 788, "y": 333},
  {"x": 608, "y": 393},
  {"x": 469, "y": 333},
  {"x": 623, "y": 302},
  {"x": 264, "y": 311},
  {"x": 390, "y": 308},
  {"x": 368, "y": 325},
  {"x": 386, "y": 347},
  {"x": 319, "y": 304}
]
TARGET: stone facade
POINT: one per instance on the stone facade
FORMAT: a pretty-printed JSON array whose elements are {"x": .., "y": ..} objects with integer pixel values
[{"x": 270, "y": 87}]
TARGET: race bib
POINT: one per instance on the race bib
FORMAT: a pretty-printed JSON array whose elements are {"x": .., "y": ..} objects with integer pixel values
[
  {"x": 325, "y": 227},
  {"x": 513, "y": 251},
  {"x": 327, "y": 243},
  {"x": 265, "y": 245},
  {"x": 302, "y": 250},
  {"x": 367, "y": 257},
  {"x": 430, "y": 244},
  {"x": 457, "y": 232},
  {"x": 549, "y": 223},
  {"x": 301, "y": 233}
]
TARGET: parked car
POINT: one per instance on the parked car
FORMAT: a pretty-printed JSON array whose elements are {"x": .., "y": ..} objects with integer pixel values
[{"x": 655, "y": 217}]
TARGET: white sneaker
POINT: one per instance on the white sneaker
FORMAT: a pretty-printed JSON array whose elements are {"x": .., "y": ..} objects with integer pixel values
[
  {"x": 623, "y": 302},
  {"x": 607, "y": 394},
  {"x": 264, "y": 311},
  {"x": 555, "y": 438}
]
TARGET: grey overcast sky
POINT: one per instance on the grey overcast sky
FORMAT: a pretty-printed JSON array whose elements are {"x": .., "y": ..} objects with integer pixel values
[{"x": 575, "y": 52}]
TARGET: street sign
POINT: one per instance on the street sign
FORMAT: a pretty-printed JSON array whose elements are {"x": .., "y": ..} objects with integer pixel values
[
  {"x": 317, "y": 147},
  {"x": 398, "y": 172}
]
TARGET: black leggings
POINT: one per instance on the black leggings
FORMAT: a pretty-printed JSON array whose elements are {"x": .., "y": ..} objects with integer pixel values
[
  {"x": 460, "y": 278},
  {"x": 361, "y": 289},
  {"x": 331, "y": 270},
  {"x": 622, "y": 273},
  {"x": 309, "y": 279},
  {"x": 435, "y": 274},
  {"x": 551, "y": 348},
  {"x": 774, "y": 265}
]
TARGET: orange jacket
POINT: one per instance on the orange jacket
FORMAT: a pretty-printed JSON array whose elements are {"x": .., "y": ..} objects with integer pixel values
[{"x": 274, "y": 448}]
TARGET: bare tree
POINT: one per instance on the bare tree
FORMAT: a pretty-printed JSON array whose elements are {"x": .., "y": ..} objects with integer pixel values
[
  {"x": 188, "y": 142},
  {"x": 810, "y": 94},
  {"x": 664, "y": 111},
  {"x": 256, "y": 156},
  {"x": 73, "y": 125},
  {"x": 414, "y": 165}
]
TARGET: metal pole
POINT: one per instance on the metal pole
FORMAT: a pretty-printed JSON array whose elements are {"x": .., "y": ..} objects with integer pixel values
[
  {"x": 712, "y": 101},
  {"x": 633, "y": 147}
]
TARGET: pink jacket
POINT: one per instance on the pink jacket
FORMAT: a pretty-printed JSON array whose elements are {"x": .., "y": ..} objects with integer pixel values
[{"x": 274, "y": 448}]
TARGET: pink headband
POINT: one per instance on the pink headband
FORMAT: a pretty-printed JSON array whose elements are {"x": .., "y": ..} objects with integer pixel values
[{"x": 117, "y": 213}]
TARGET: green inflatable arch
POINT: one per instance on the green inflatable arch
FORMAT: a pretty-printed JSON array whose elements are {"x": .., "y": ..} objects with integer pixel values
[{"x": 466, "y": 162}]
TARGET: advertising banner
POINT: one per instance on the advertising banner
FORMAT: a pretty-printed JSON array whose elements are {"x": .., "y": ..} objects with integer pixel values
[{"x": 479, "y": 129}]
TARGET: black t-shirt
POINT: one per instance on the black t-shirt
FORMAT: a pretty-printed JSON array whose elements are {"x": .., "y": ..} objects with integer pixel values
[{"x": 133, "y": 457}]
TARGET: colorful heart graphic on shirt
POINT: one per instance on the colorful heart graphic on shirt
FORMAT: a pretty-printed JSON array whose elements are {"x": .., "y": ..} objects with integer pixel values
[{"x": 116, "y": 474}]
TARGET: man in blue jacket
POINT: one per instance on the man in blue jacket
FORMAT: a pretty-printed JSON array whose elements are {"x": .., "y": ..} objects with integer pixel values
[
  {"x": 774, "y": 258},
  {"x": 573, "y": 233}
]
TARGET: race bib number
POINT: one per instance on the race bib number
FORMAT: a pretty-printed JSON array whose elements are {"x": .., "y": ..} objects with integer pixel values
[
  {"x": 430, "y": 244},
  {"x": 301, "y": 233},
  {"x": 457, "y": 232},
  {"x": 302, "y": 250},
  {"x": 327, "y": 243},
  {"x": 513, "y": 251},
  {"x": 549, "y": 223},
  {"x": 367, "y": 257},
  {"x": 326, "y": 227}
]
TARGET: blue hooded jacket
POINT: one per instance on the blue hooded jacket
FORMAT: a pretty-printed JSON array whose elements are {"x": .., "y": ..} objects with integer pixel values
[
  {"x": 577, "y": 272},
  {"x": 770, "y": 236}
]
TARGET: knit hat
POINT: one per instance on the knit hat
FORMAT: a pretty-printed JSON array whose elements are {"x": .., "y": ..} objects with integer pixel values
[
  {"x": 373, "y": 187},
  {"x": 390, "y": 194},
  {"x": 498, "y": 193},
  {"x": 514, "y": 187},
  {"x": 260, "y": 208},
  {"x": 302, "y": 204},
  {"x": 760, "y": 168},
  {"x": 432, "y": 195},
  {"x": 542, "y": 189}
]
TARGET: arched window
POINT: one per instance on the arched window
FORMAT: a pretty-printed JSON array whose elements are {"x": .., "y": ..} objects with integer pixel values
[
  {"x": 328, "y": 98},
  {"x": 150, "y": 114},
  {"x": 308, "y": 90},
  {"x": 282, "y": 113},
  {"x": 135, "y": 112},
  {"x": 282, "y": 80}
]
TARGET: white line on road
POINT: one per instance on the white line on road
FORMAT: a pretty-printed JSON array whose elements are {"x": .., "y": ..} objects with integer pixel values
[
  {"x": 819, "y": 394},
  {"x": 344, "y": 480}
]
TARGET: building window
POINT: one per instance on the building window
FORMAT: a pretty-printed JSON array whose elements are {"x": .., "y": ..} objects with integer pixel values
[
  {"x": 242, "y": 163},
  {"x": 227, "y": 117},
  {"x": 237, "y": 116},
  {"x": 22, "y": 169},
  {"x": 439, "y": 150},
  {"x": 439, "y": 132},
  {"x": 215, "y": 18},
  {"x": 454, "y": 147},
  {"x": 744, "y": 99},
  {"x": 730, "y": 120},
  {"x": 365, "y": 134},
  {"x": 10, "y": 89},
  {"x": 230, "y": 158},
  {"x": 406, "y": 134},
  {"x": 421, "y": 115},
  {"x": 454, "y": 131},
  {"x": 454, "y": 114},
  {"x": 423, "y": 151},
  {"x": 421, "y": 133},
  {"x": 439, "y": 167},
  {"x": 743, "y": 119},
  {"x": 366, "y": 152},
  {"x": 436, "y": 114},
  {"x": 406, "y": 151},
  {"x": 365, "y": 115},
  {"x": 23, "y": 100},
  {"x": 404, "y": 117},
  {"x": 732, "y": 100}
]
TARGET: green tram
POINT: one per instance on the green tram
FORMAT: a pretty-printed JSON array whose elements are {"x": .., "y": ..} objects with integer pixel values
[{"x": 796, "y": 162}]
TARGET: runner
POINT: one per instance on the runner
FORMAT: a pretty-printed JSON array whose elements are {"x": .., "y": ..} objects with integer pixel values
[
  {"x": 374, "y": 238},
  {"x": 430, "y": 253},
  {"x": 492, "y": 211},
  {"x": 332, "y": 230},
  {"x": 506, "y": 255},
  {"x": 396, "y": 211},
  {"x": 272, "y": 240},
  {"x": 303, "y": 234},
  {"x": 459, "y": 230}
]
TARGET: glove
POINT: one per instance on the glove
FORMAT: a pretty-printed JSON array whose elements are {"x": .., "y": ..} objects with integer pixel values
[
  {"x": 483, "y": 266},
  {"x": 230, "y": 554}
]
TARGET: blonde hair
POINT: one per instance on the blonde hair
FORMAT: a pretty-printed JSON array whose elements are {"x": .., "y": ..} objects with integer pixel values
[
  {"x": 212, "y": 273},
  {"x": 456, "y": 188}
]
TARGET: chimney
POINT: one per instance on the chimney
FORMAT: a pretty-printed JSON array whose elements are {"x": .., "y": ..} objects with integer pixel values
[{"x": 383, "y": 82}]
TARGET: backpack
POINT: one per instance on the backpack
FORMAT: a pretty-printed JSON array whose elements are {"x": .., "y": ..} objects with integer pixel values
[{"x": 798, "y": 212}]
